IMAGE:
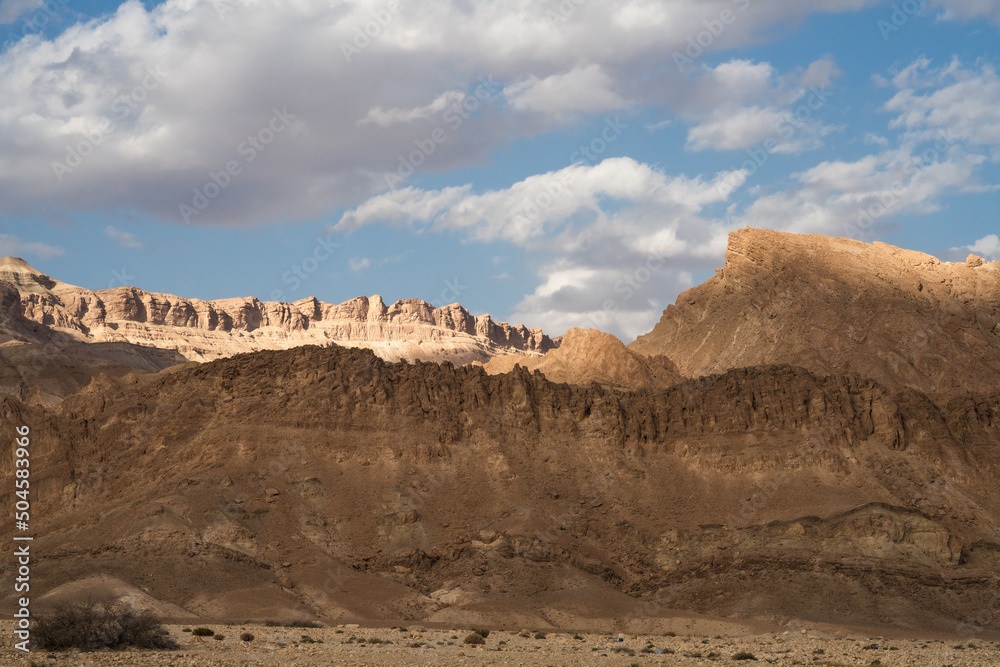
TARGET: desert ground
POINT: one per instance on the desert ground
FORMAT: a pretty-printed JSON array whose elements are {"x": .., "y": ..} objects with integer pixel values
[{"x": 420, "y": 645}]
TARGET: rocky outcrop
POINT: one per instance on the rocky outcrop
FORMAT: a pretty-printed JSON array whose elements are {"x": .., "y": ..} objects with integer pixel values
[
  {"x": 206, "y": 330},
  {"x": 834, "y": 305},
  {"x": 311, "y": 475},
  {"x": 589, "y": 355}
]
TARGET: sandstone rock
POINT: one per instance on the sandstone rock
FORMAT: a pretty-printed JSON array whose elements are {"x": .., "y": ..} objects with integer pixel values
[
  {"x": 205, "y": 330},
  {"x": 834, "y": 305}
]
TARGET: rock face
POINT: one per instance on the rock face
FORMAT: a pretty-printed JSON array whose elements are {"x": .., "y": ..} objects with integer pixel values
[
  {"x": 206, "y": 330},
  {"x": 589, "y": 355},
  {"x": 327, "y": 482},
  {"x": 834, "y": 305}
]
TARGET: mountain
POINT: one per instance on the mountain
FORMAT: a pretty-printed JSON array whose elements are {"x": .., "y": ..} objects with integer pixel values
[
  {"x": 326, "y": 483},
  {"x": 812, "y": 436},
  {"x": 835, "y": 305},
  {"x": 589, "y": 355},
  {"x": 206, "y": 330}
]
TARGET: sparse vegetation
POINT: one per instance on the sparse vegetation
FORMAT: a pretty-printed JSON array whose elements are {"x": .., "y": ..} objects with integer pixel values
[
  {"x": 482, "y": 633},
  {"x": 539, "y": 635},
  {"x": 219, "y": 637},
  {"x": 474, "y": 638},
  {"x": 93, "y": 625},
  {"x": 203, "y": 632},
  {"x": 247, "y": 637},
  {"x": 744, "y": 655}
]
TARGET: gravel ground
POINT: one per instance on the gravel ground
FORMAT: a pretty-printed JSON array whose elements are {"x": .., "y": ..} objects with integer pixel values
[{"x": 350, "y": 645}]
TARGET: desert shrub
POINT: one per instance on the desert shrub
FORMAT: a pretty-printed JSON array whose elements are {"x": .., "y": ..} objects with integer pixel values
[
  {"x": 670, "y": 634},
  {"x": 374, "y": 640},
  {"x": 247, "y": 637},
  {"x": 303, "y": 624},
  {"x": 482, "y": 633},
  {"x": 93, "y": 625},
  {"x": 186, "y": 630},
  {"x": 539, "y": 635},
  {"x": 474, "y": 638},
  {"x": 203, "y": 632},
  {"x": 272, "y": 624},
  {"x": 744, "y": 655},
  {"x": 219, "y": 638}
]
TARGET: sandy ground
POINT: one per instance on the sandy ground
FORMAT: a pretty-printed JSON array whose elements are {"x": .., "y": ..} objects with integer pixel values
[{"x": 419, "y": 646}]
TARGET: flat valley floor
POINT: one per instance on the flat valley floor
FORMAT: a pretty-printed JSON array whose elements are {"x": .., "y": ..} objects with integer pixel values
[{"x": 417, "y": 645}]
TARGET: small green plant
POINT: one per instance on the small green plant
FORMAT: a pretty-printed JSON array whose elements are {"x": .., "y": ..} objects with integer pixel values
[
  {"x": 474, "y": 638},
  {"x": 744, "y": 655},
  {"x": 247, "y": 637},
  {"x": 203, "y": 632}
]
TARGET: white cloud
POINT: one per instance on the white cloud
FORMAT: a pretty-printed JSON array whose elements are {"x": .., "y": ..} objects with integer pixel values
[
  {"x": 585, "y": 89},
  {"x": 125, "y": 239},
  {"x": 611, "y": 238},
  {"x": 953, "y": 103},
  {"x": 224, "y": 72},
  {"x": 11, "y": 245},
  {"x": 653, "y": 127},
  {"x": 987, "y": 247},
  {"x": 968, "y": 9},
  {"x": 382, "y": 118},
  {"x": 872, "y": 139},
  {"x": 11, "y": 10},
  {"x": 740, "y": 104},
  {"x": 358, "y": 264}
]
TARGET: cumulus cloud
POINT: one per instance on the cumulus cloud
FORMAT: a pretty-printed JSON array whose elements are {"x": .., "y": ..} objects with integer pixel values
[
  {"x": 125, "y": 239},
  {"x": 11, "y": 245},
  {"x": 741, "y": 104},
  {"x": 954, "y": 103},
  {"x": 968, "y": 9},
  {"x": 611, "y": 239},
  {"x": 358, "y": 263},
  {"x": 145, "y": 108},
  {"x": 987, "y": 247}
]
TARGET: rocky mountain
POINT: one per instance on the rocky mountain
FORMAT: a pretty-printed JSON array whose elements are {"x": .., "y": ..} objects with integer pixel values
[
  {"x": 589, "y": 355},
  {"x": 205, "y": 330},
  {"x": 835, "y": 305},
  {"x": 325, "y": 483},
  {"x": 812, "y": 436}
]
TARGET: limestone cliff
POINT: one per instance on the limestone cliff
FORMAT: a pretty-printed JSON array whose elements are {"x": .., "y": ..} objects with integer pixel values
[
  {"x": 835, "y": 305},
  {"x": 205, "y": 330}
]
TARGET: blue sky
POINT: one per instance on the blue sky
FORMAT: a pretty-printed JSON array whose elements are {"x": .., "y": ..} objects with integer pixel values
[{"x": 562, "y": 163}]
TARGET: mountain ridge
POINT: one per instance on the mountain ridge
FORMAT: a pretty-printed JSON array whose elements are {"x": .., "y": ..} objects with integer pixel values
[{"x": 205, "y": 330}]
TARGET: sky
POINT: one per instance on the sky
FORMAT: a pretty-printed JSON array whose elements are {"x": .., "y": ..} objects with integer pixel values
[{"x": 557, "y": 163}]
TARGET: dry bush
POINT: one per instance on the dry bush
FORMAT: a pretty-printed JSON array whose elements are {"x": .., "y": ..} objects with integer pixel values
[{"x": 93, "y": 625}]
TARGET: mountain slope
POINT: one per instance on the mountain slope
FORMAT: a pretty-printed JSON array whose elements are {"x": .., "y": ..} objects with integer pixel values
[
  {"x": 327, "y": 482},
  {"x": 834, "y": 305},
  {"x": 205, "y": 330},
  {"x": 586, "y": 356}
]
